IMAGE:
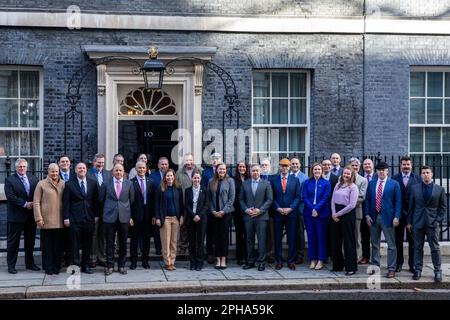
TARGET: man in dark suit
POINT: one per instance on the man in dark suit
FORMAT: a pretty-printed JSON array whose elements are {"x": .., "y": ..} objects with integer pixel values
[
  {"x": 333, "y": 178},
  {"x": 369, "y": 175},
  {"x": 81, "y": 210},
  {"x": 336, "y": 163},
  {"x": 427, "y": 209},
  {"x": 286, "y": 200},
  {"x": 101, "y": 175},
  {"x": 255, "y": 199},
  {"x": 19, "y": 191},
  {"x": 141, "y": 214},
  {"x": 383, "y": 208},
  {"x": 406, "y": 178},
  {"x": 117, "y": 196},
  {"x": 66, "y": 174},
  {"x": 157, "y": 176}
]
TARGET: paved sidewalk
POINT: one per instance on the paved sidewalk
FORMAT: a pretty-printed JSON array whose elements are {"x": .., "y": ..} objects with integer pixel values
[{"x": 29, "y": 284}]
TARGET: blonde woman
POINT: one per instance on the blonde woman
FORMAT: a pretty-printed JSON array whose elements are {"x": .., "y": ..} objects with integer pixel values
[
  {"x": 343, "y": 213},
  {"x": 48, "y": 215},
  {"x": 169, "y": 212}
]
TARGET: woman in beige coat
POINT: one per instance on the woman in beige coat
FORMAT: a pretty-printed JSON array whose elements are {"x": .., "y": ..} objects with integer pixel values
[{"x": 49, "y": 217}]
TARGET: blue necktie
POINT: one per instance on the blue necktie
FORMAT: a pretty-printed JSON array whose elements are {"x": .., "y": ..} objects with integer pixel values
[
  {"x": 66, "y": 177},
  {"x": 25, "y": 184},
  {"x": 83, "y": 189}
]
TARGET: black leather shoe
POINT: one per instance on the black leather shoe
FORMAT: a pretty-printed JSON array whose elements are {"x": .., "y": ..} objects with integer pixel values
[
  {"x": 122, "y": 270},
  {"x": 56, "y": 270},
  {"x": 192, "y": 266},
  {"x": 417, "y": 275},
  {"x": 438, "y": 276},
  {"x": 87, "y": 270},
  {"x": 239, "y": 262},
  {"x": 133, "y": 265},
  {"x": 398, "y": 269},
  {"x": 12, "y": 270},
  {"x": 33, "y": 267},
  {"x": 261, "y": 267},
  {"x": 101, "y": 264},
  {"x": 145, "y": 265},
  {"x": 198, "y": 268},
  {"x": 108, "y": 271},
  {"x": 248, "y": 266}
]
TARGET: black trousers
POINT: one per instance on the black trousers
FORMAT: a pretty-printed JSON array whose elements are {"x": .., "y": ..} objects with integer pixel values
[
  {"x": 140, "y": 231},
  {"x": 209, "y": 236},
  {"x": 343, "y": 231},
  {"x": 51, "y": 247},
  {"x": 66, "y": 247},
  {"x": 110, "y": 236},
  {"x": 156, "y": 237},
  {"x": 14, "y": 231},
  {"x": 81, "y": 237},
  {"x": 399, "y": 239},
  {"x": 239, "y": 228},
  {"x": 196, "y": 232},
  {"x": 365, "y": 238},
  {"x": 220, "y": 234}
]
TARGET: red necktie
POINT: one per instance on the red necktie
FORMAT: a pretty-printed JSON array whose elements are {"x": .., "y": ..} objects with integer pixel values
[
  {"x": 379, "y": 196},
  {"x": 283, "y": 184}
]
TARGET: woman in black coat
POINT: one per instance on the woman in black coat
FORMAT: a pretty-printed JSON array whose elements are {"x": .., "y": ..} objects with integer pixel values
[{"x": 196, "y": 207}]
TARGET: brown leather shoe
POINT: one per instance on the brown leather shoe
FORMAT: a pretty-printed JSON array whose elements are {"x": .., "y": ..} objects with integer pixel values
[
  {"x": 390, "y": 274},
  {"x": 278, "y": 266},
  {"x": 168, "y": 267},
  {"x": 291, "y": 266},
  {"x": 299, "y": 261},
  {"x": 363, "y": 261}
]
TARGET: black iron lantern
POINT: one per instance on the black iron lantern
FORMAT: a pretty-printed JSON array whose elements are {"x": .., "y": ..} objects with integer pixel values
[{"x": 153, "y": 68}]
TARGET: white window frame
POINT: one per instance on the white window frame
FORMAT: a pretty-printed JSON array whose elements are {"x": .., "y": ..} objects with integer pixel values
[
  {"x": 306, "y": 126},
  {"x": 39, "y": 129},
  {"x": 442, "y": 125}
]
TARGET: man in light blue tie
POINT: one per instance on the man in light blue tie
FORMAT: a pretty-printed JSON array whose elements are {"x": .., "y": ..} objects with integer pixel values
[
  {"x": 65, "y": 172},
  {"x": 336, "y": 162}
]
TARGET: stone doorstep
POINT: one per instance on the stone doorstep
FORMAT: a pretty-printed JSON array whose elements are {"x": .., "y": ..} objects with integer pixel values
[{"x": 125, "y": 289}]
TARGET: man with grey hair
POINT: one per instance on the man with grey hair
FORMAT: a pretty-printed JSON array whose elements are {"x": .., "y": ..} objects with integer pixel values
[
  {"x": 19, "y": 191},
  {"x": 184, "y": 177},
  {"x": 362, "y": 185}
]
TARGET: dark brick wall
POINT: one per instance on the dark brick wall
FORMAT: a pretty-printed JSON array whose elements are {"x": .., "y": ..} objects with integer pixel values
[{"x": 201, "y": 7}]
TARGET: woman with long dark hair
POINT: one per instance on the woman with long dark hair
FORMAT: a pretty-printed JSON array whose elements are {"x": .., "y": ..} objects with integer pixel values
[{"x": 241, "y": 174}]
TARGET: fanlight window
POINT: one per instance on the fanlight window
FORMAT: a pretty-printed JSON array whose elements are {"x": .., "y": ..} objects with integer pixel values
[{"x": 147, "y": 102}]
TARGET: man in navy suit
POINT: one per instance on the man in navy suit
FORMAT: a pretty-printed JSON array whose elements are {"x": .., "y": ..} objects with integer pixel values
[
  {"x": 369, "y": 175},
  {"x": 156, "y": 177},
  {"x": 286, "y": 199},
  {"x": 427, "y": 209},
  {"x": 383, "y": 209},
  {"x": 19, "y": 191},
  {"x": 406, "y": 178},
  {"x": 81, "y": 211},
  {"x": 66, "y": 174},
  {"x": 101, "y": 175},
  {"x": 141, "y": 214}
]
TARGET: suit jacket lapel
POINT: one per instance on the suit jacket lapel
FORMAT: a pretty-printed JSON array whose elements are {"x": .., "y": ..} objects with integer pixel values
[{"x": 21, "y": 183}]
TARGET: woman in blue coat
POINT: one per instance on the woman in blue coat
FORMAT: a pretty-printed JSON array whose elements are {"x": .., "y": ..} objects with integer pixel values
[{"x": 316, "y": 193}]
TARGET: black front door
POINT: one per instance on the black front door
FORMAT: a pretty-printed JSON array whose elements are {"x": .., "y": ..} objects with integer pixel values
[{"x": 151, "y": 137}]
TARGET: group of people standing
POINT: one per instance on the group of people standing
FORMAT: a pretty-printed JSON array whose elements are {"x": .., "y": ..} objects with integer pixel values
[{"x": 342, "y": 211}]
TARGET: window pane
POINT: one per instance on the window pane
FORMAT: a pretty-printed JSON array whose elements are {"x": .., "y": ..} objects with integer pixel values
[
  {"x": 416, "y": 140},
  {"x": 261, "y": 84},
  {"x": 29, "y": 84},
  {"x": 447, "y": 111},
  {"x": 9, "y": 143},
  {"x": 278, "y": 139},
  {"x": 260, "y": 139},
  {"x": 279, "y": 85},
  {"x": 447, "y": 84},
  {"x": 8, "y": 113},
  {"x": 432, "y": 139},
  {"x": 29, "y": 143},
  {"x": 8, "y": 84},
  {"x": 434, "y": 111},
  {"x": 296, "y": 139},
  {"x": 29, "y": 113},
  {"x": 417, "y": 111},
  {"x": 298, "y": 85},
  {"x": 260, "y": 111},
  {"x": 279, "y": 111},
  {"x": 434, "y": 84},
  {"x": 445, "y": 139},
  {"x": 417, "y": 84},
  {"x": 298, "y": 111}
]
